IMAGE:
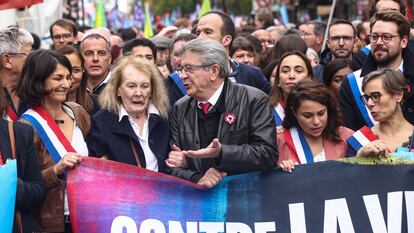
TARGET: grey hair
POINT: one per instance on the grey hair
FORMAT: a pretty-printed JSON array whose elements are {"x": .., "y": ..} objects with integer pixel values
[
  {"x": 211, "y": 52},
  {"x": 13, "y": 38},
  {"x": 96, "y": 36}
]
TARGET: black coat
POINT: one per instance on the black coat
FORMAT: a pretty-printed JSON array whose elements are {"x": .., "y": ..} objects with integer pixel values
[
  {"x": 30, "y": 187},
  {"x": 250, "y": 76},
  {"x": 111, "y": 137},
  {"x": 249, "y": 144}
]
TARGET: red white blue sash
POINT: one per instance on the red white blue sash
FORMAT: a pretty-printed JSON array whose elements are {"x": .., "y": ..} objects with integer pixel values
[
  {"x": 355, "y": 83},
  {"x": 298, "y": 146},
  {"x": 278, "y": 114},
  {"x": 361, "y": 137},
  {"x": 10, "y": 113},
  {"x": 49, "y": 132}
]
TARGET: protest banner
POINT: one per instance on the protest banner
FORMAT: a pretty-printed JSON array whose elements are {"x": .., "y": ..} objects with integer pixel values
[
  {"x": 11, "y": 4},
  {"x": 8, "y": 187},
  {"x": 329, "y": 197}
]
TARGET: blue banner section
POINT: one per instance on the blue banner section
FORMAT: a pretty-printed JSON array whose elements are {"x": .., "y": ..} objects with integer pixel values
[
  {"x": 8, "y": 187},
  {"x": 332, "y": 196}
]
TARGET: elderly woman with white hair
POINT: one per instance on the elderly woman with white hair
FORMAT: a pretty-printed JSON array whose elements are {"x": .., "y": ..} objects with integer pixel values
[{"x": 132, "y": 125}]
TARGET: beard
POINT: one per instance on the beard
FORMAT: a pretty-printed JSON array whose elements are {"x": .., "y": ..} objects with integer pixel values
[
  {"x": 342, "y": 54},
  {"x": 386, "y": 59}
]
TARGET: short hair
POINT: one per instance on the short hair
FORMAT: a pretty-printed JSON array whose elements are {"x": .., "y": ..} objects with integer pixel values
[
  {"x": 96, "y": 36},
  {"x": 128, "y": 34},
  {"x": 228, "y": 27},
  {"x": 255, "y": 42},
  {"x": 65, "y": 23},
  {"x": 13, "y": 38},
  {"x": 391, "y": 16},
  {"x": 341, "y": 21},
  {"x": 182, "y": 23},
  {"x": 277, "y": 92},
  {"x": 334, "y": 66},
  {"x": 182, "y": 37},
  {"x": 373, "y": 10},
  {"x": 210, "y": 52},
  {"x": 39, "y": 65},
  {"x": 36, "y": 41},
  {"x": 266, "y": 16},
  {"x": 127, "y": 48},
  {"x": 241, "y": 43},
  {"x": 314, "y": 91},
  {"x": 393, "y": 81},
  {"x": 288, "y": 43},
  {"x": 109, "y": 98},
  {"x": 319, "y": 27}
]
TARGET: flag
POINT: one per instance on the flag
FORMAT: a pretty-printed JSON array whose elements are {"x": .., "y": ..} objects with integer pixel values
[
  {"x": 8, "y": 187},
  {"x": 409, "y": 10},
  {"x": 100, "y": 19},
  {"x": 148, "y": 32},
  {"x": 206, "y": 7},
  {"x": 9, "y": 4}
]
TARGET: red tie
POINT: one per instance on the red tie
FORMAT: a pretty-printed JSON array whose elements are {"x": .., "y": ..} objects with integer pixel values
[{"x": 205, "y": 107}]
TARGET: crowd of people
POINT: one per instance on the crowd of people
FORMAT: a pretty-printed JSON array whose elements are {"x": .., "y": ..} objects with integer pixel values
[{"x": 200, "y": 101}]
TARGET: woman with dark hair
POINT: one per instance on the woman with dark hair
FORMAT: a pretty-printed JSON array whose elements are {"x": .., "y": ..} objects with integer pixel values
[
  {"x": 77, "y": 92},
  {"x": 16, "y": 142},
  {"x": 292, "y": 68},
  {"x": 384, "y": 92},
  {"x": 288, "y": 43},
  {"x": 59, "y": 130},
  {"x": 313, "y": 129},
  {"x": 335, "y": 71}
]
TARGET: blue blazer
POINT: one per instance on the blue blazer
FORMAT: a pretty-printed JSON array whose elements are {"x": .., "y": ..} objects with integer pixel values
[
  {"x": 250, "y": 76},
  {"x": 111, "y": 137}
]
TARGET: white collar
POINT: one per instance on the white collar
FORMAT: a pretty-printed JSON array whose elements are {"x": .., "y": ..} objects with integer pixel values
[
  {"x": 401, "y": 67},
  {"x": 151, "y": 110},
  {"x": 214, "y": 98}
]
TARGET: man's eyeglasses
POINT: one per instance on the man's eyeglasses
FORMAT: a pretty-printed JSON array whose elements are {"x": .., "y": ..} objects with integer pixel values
[
  {"x": 63, "y": 36},
  {"x": 191, "y": 68},
  {"x": 338, "y": 38},
  {"x": 16, "y": 54},
  {"x": 375, "y": 97},
  {"x": 386, "y": 38}
]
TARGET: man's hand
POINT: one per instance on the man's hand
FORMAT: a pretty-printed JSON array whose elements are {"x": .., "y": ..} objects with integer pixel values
[
  {"x": 212, "y": 151},
  {"x": 176, "y": 158},
  {"x": 211, "y": 178}
]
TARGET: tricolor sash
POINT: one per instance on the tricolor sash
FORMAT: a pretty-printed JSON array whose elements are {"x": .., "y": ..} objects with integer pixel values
[
  {"x": 10, "y": 113},
  {"x": 361, "y": 137},
  {"x": 366, "y": 50},
  {"x": 49, "y": 132},
  {"x": 355, "y": 83},
  {"x": 177, "y": 79},
  {"x": 278, "y": 114},
  {"x": 298, "y": 145}
]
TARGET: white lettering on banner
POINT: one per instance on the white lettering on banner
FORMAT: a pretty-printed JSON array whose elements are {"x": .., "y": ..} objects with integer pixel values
[
  {"x": 336, "y": 214},
  {"x": 123, "y": 222},
  {"x": 297, "y": 218},
  {"x": 394, "y": 212},
  {"x": 336, "y": 211}
]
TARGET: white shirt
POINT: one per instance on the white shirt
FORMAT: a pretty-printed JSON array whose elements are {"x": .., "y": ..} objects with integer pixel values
[
  {"x": 214, "y": 98},
  {"x": 401, "y": 67},
  {"x": 150, "y": 159},
  {"x": 320, "y": 157}
]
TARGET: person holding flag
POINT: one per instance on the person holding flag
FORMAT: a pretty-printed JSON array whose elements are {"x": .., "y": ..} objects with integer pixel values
[
  {"x": 313, "y": 127},
  {"x": 59, "y": 130}
]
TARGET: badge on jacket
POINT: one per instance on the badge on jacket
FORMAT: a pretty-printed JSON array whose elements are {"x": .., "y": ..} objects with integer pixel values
[{"x": 230, "y": 118}]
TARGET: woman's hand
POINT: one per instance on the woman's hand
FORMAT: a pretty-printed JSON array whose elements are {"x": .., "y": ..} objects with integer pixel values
[
  {"x": 280, "y": 129},
  {"x": 287, "y": 165},
  {"x": 374, "y": 148},
  {"x": 69, "y": 161}
]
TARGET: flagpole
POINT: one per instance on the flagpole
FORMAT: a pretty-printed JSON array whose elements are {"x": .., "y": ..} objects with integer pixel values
[{"x": 325, "y": 38}]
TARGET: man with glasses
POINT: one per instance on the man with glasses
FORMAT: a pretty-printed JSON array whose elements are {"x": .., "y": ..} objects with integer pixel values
[
  {"x": 341, "y": 40},
  {"x": 16, "y": 44},
  {"x": 95, "y": 49},
  {"x": 220, "y": 128},
  {"x": 389, "y": 39},
  {"x": 63, "y": 32}
]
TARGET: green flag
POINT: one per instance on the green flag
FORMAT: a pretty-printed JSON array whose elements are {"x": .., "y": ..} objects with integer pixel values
[
  {"x": 206, "y": 7},
  {"x": 148, "y": 32},
  {"x": 100, "y": 18}
]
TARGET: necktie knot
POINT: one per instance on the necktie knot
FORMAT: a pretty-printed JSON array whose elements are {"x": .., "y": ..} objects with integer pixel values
[{"x": 205, "y": 107}]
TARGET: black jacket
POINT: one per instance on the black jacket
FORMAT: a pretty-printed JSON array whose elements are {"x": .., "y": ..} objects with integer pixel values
[
  {"x": 30, "y": 187},
  {"x": 352, "y": 117},
  {"x": 251, "y": 76},
  {"x": 109, "y": 136},
  {"x": 248, "y": 145}
]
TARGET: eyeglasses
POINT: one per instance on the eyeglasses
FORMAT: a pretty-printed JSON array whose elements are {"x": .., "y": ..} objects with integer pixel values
[
  {"x": 386, "y": 38},
  {"x": 338, "y": 38},
  {"x": 375, "y": 97},
  {"x": 16, "y": 54},
  {"x": 191, "y": 68},
  {"x": 63, "y": 36}
]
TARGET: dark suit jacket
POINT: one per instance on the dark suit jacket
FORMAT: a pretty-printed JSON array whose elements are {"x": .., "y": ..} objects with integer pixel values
[
  {"x": 109, "y": 136},
  {"x": 250, "y": 76},
  {"x": 30, "y": 186}
]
